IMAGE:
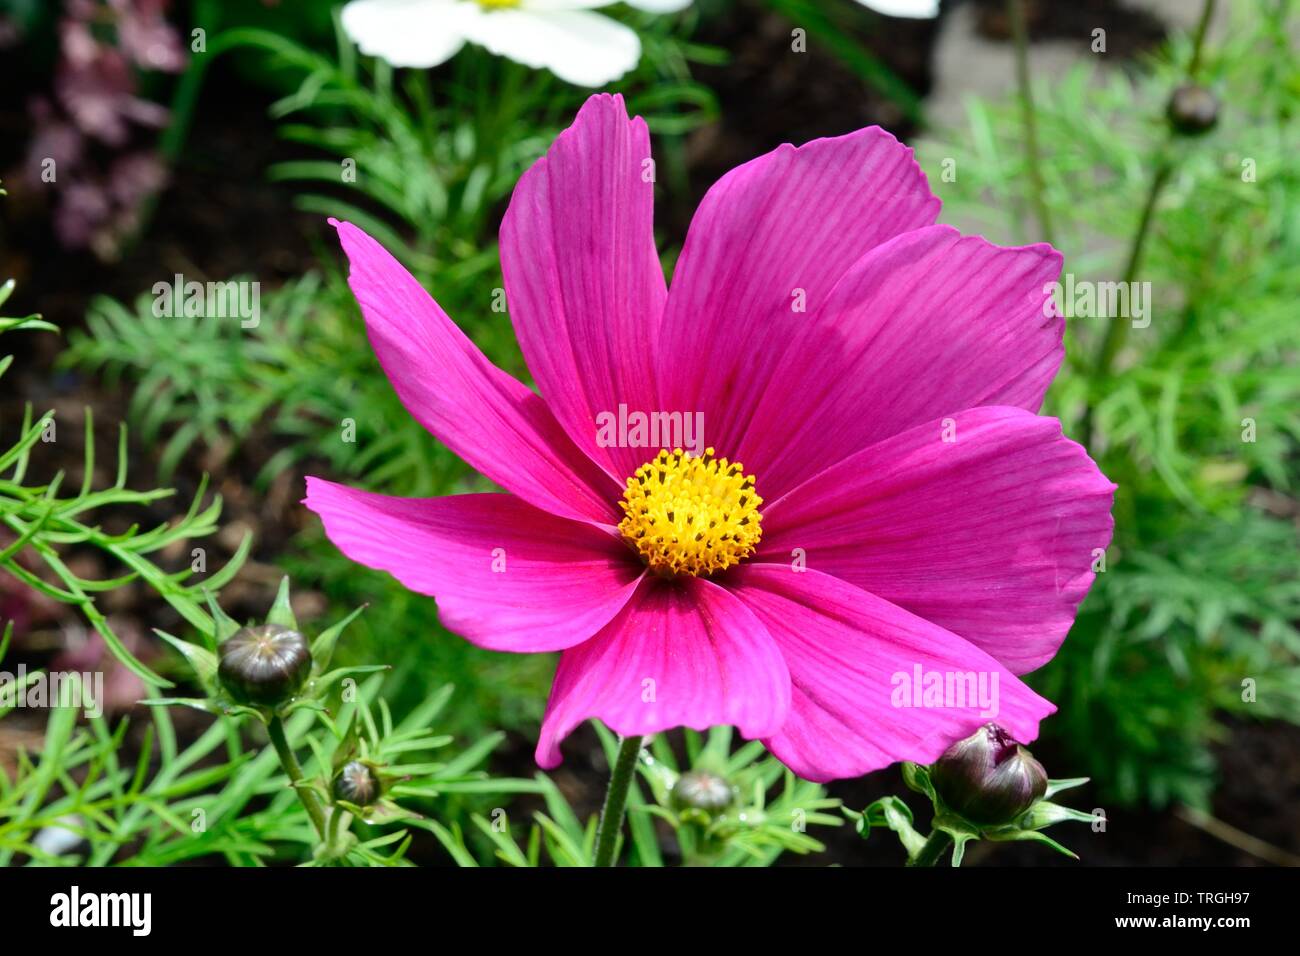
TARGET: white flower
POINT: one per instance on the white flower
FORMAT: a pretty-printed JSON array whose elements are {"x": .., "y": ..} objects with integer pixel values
[
  {"x": 917, "y": 9},
  {"x": 564, "y": 36}
]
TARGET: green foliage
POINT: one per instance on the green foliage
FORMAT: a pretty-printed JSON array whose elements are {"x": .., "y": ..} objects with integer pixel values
[
  {"x": 28, "y": 322},
  {"x": 31, "y": 323},
  {"x": 304, "y": 375},
  {"x": 45, "y": 524},
  {"x": 763, "y": 823},
  {"x": 1198, "y": 421},
  {"x": 221, "y": 798}
]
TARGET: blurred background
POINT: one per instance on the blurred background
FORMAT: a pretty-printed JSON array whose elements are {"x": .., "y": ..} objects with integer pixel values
[{"x": 211, "y": 139}]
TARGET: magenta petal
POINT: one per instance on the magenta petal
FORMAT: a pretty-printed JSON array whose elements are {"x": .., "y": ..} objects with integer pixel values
[
  {"x": 771, "y": 235},
  {"x": 681, "y": 654},
  {"x": 851, "y": 712},
  {"x": 583, "y": 280},
  {"x": 507, "y": 576},
  {"x": 992, "y": 535},
  {"x": 928, "y": 324},
  {"x": 478, "y": 411}
]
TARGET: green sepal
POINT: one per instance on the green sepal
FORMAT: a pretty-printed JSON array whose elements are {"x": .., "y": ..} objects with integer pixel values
[
  {"x": 224, "y": 625},
  {"x": 1056, "y": 786},
  {"x": 219, "y": 705},
  {"x": 201, "y": 660},
  {"x": 322, "y": 649},
  {"x": 956, "y": 826},
  {"x": 324, "y": 854},
  {"x": 893, "y": 813},
  {"x": 319, "y": 685},
  {"x": 1044, "y": 813},
  {"x": 917, "y": 778},
  {"x": 1011, "y": 833},
  {"x": 231, "y": 709},
  {"x": 384, "y": 811},
  {"x": 281, "y": 612},
  {"x": 303, "y": 703},
  {"x": 206, "y": 704},
  {"x": 959, "y": 848},
  {"x": 960, "y": 829},
  {"x": 347, "y": 748}
]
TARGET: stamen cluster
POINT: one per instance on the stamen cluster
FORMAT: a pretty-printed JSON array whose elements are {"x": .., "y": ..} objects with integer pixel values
[{"x": 689, "y": 514}]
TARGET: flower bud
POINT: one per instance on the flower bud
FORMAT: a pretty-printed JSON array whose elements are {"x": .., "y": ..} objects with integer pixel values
[
  {"x": 266, "y": 664},
  {"x": 988, "y": 778},
  {"x": 357, "y": 784},
  {"x": 702, "y": 790},
  {"x": 1193, "y": 109}
]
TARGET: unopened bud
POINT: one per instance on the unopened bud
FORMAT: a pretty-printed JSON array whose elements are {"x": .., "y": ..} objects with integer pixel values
[
  {"x": 357, "y": 784},
  {"x": 702, "y": 790},
  {"x": 266, "y": 664},
  {"x": 1193, "y": 109},
  {"x": 988, "y": 778}
]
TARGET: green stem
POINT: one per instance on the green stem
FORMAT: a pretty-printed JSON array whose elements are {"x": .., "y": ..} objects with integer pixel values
[
  {"x": 1118, "y": 328},
  {"x": 938, "y": 842},
  {"x": 1198, "y": 41},
  {"x": 1117, "y": 331},
  {"x": 338, "y": 825},
  {"x": 1016, "y": 12},
  {"x": 611, "y": 815},
  {"x": 310, "y": 801}
]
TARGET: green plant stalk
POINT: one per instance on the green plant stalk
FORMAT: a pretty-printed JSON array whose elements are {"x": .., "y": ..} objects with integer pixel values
[
  {"x": 611, "y": 815},
  {"x": 934, "y": 848},
  {"x": 310, "y": 801},
  {"x": 339, "y": 822},
  {"x": 1198, "y": 42},
  {"x": 1016, "y": 12},
  {"x": 1117, "y": 331}
]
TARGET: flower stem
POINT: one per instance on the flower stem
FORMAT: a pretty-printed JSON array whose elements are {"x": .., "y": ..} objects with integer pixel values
[
  {"x": 1118, "y": 327},
  {"x": 1117, "y": 331},
  {"x": 1016, "y": 13},
  {"x": 611, "y": 815},
  {"x": 311, "y": 803},
  {"x": 938, "y": 842},
  {"x": 337, "y": 826},
  {"x": 1198, "y": 39}
]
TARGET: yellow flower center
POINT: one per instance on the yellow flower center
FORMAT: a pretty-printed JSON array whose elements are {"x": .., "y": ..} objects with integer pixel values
[
  {"x": 499, "y": 4},
  {"x": 691, "y": 515}
]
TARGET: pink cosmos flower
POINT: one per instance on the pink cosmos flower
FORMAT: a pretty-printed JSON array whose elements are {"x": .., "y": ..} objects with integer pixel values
[{"x": 877, "y": 375}]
